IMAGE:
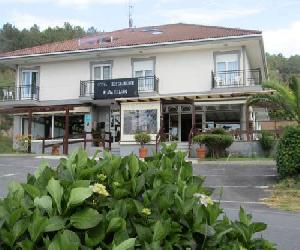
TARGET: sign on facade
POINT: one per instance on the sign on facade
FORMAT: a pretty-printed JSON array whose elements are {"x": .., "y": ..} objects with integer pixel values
[{"x": 118, "y": 88}]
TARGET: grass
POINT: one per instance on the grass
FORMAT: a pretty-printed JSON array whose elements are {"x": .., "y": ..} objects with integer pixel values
[
  {"x": 285, "y": 195},
  {"x": 6, "y": 145}
]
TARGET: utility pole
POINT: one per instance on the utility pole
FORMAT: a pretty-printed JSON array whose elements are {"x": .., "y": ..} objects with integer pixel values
[{"x": 130, "y": 19}]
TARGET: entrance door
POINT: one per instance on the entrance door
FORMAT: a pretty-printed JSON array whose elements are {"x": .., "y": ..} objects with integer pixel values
[
  {"x": 174, "y": 127},
  {"x": 115, "y": 126},
  {"x": 186, "y": 126}
]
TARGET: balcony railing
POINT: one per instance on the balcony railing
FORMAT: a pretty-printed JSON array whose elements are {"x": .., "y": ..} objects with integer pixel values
[
  {"x": 236, "y": 78},
  {"x": 20, "y": 93},
  {"x": 145, "y": 84}
]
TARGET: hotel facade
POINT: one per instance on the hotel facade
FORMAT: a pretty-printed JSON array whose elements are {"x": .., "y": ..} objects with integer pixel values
[{"x": 168, "y": 81}]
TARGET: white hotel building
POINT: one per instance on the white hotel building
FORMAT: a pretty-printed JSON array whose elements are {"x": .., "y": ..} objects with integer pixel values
[{"x": 168, "y": 81}]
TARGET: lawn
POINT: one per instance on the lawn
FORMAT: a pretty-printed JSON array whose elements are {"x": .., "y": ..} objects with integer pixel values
[{"x": 286, "y": 195}]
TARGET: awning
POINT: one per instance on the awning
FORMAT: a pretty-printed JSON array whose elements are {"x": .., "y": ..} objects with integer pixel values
[{"x": 240, "y": 97}]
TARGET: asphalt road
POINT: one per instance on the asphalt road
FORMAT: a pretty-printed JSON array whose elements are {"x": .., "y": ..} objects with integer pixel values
[
  {"x": 245, "y": 184},
  {"x": 242, "y": 184}
]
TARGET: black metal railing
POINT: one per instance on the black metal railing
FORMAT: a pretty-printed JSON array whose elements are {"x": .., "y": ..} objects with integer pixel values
[
  {"x": 19, "y": 93},
  {"x": 236, "y": 78},
  {"x": 145, "y": 84}
]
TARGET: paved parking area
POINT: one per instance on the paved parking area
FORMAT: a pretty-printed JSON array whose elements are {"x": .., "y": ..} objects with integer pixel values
[
  {"x": 242, "y": 184},
  {"x": 16, "y": 168},
  {"x": 246, "y": 184}
]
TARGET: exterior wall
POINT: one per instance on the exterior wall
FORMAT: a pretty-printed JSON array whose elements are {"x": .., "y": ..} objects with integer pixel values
[
  {"x": 239, "y": 149},
  {"x": 134, "y": 149},
  {"x": 61, "y": 80},
  {"x": 178, "y": 72},
  {"x": 187, "y": 71}
]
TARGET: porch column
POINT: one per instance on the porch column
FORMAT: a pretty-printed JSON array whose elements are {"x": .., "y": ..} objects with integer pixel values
[
  {"x": 193, "y": 115},
  {"x": 66, "y": 136},
  {"x": 247, "y": 122},
  {"x": 29, "y": 131},
  {"x": 52, "y": 126},
  {"x": 244, "y": 122},
  {"x": 204, "y": 119},
  {"x": 161, "y": 123}
]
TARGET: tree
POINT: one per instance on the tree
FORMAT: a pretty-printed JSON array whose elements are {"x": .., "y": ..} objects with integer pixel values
[{"x": 286, "y": 97}]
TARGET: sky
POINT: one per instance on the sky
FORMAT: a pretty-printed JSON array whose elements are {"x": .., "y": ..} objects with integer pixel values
[{"x": 278, "y": 19}]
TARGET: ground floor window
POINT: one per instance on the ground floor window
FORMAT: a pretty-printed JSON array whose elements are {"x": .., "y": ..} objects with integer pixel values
[
  {"x": 53, "y": 126},
  {"x": 178, "y": 119},
  {"x": 140, "y": 121}
]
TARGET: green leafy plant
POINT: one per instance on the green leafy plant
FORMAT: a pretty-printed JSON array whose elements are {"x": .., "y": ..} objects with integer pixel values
[
  {"x": 266, "y": 141},
  {"x": 286, "y": 97},
  {"x": 120, "y": 203},
  {"x": 288, "y": 152},
  {"x": 142, "y": 138},
  {"x": 199, "y": 139}
]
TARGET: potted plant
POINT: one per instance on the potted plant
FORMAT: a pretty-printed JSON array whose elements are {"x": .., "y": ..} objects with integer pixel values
[
  {"x": 201, "y": 151},
  {"x": 142, "y": 138}
]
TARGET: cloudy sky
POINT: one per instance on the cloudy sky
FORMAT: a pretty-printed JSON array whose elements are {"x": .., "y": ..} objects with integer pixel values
[{"x": 278, "y": 19}]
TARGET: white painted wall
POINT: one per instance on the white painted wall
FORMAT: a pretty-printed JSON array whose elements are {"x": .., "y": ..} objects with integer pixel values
[
  {"x": 188, "y": 71},
  {"x": 61, "y": 80},
  {"x": 178, "y": 72}
]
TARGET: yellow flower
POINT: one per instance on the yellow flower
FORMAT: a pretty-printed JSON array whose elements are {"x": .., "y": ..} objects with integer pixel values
[
  {"x": 100, "y": 189},
  {"x": 117, "y": 184},
  {"x": 146, "y": 211},
  {"x": 101, "y": 177}
]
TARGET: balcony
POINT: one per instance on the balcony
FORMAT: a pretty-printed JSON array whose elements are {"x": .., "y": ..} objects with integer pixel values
[
  {"x": 145, "y": 85},
  {"x": 236, "y": 78},
  {"x": 23, "y": 94}
]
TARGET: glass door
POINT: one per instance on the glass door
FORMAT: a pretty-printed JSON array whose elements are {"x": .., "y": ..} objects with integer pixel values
[
  {"x": 227, "y": 69},
  {"x": 115, "y": 128},
  {"x": 29, "y": 83},
  {"x": 174, "y": 127}
]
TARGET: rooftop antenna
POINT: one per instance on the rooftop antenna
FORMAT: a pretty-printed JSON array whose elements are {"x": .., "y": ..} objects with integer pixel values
[{"x": 130, "y": 19}]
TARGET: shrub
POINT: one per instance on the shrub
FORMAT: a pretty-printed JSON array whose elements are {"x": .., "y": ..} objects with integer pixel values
[
  {"x": 142, "y": 138},
  {"x": 266, "y": 141},
  {"x": 288, "y": 152},
  {"x": 120, "y": 203},
  {"x": 218, "y": 131},
  {"x": 199, "y": 139},
  {"x": 216, "y": 142}
]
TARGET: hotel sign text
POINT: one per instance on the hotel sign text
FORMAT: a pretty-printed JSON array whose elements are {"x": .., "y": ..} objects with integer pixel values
[{"x": 115, "y": 88}]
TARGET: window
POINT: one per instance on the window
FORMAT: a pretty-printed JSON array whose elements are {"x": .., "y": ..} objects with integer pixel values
[
  {"x": 140, "y": 121},
  {"x": 101, "y": 72},
  {"x": 144, "y": 70},
  {"x": 227, "y": 70},
  {"x": 28, "y": 84}
]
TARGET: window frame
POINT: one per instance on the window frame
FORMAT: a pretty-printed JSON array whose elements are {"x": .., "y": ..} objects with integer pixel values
[{"x": 101, "y": 66}]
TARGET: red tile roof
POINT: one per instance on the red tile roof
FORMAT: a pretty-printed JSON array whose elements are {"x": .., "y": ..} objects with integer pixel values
[{"x": 135, "y": 36}]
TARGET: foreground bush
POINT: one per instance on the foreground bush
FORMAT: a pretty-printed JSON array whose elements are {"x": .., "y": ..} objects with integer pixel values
[
  {"x": 120, "y": 203},
  {"x": 288, "y": 152}
]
